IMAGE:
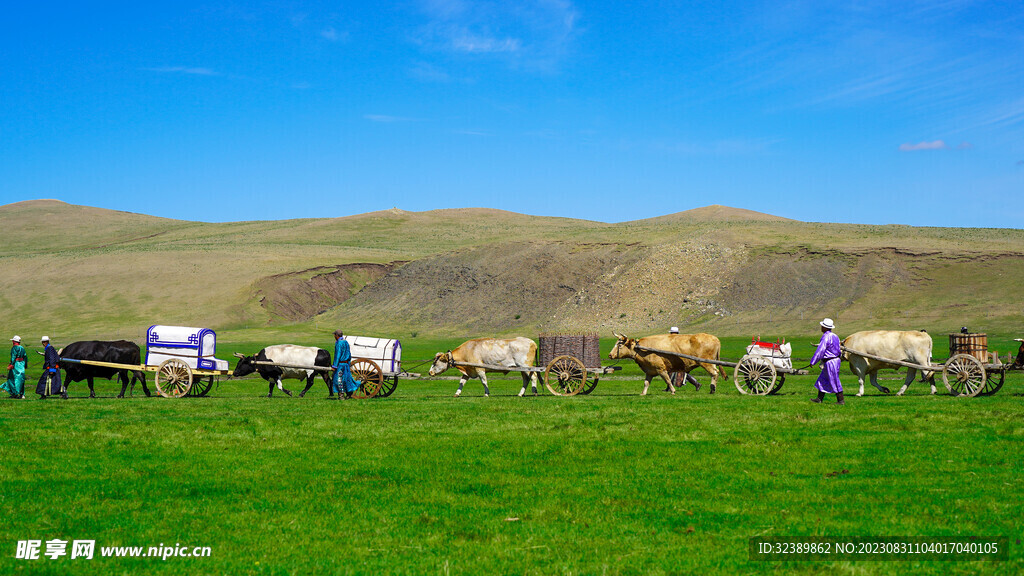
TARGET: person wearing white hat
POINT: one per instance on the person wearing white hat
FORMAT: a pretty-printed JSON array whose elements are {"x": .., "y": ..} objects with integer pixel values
[
  {"x": 15, "y": 383},
  {"x": 828, "y": 353},
  {"x": 49, "y": 383},
  {"x": 679, "y": 379}
]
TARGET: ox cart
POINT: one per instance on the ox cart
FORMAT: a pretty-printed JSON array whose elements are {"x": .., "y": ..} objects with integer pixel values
[
  {"x": 569, "y": 363},
  {"x": 971, "y": 370},
  {"x": 182, "y": 358},
  {"x": 760, "y": 372},
  {"x": 376, "y": 364}
]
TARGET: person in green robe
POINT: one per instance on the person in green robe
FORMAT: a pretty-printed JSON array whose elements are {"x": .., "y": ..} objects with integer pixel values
[{"x": 15, "y": 384}]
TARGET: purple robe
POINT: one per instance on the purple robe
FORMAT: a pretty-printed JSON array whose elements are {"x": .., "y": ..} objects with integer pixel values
[{"x": 828, "y": 351}]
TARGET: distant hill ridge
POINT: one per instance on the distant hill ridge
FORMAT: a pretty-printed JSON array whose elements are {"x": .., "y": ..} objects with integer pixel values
[{"x": 79, "y": 270}]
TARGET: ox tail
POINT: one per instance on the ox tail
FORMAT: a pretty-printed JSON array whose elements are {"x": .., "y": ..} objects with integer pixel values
[{"x": 928, "y": 375}]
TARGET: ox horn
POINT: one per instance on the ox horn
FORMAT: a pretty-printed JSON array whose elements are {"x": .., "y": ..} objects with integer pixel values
[
  {"x": 619, "y": 336},
  {"x": 1019, "y": 339},
  {"x": 239, "y": 355}
]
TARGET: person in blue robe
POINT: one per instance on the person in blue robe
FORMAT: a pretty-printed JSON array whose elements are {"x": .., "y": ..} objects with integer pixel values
[
  {"x": 828, "y": 353},
  {"x": 344, "y": 384},
  {"x": 49, "y": 382},
  {"x": 15, "y": 383}
]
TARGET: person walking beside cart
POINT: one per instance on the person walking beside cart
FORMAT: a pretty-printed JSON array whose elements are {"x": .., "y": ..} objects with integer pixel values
[
  {"x": 49, "y": 383},
  {"x": 828, "y": 353},
  {"x": 680, "y": 379},
  {"x": 343, "y": 381},
  {"x": 15, "y": 383}
]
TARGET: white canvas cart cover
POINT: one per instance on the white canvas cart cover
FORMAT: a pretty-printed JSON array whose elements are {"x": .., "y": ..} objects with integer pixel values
[
  {"x": 195, "y": 346},
  {"x": 384, "y": 351}
]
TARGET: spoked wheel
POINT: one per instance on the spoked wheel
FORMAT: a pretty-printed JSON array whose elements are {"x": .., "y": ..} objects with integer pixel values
[
  {"x": 200, "y": 387},
  {"x": 173, "y": 378},
  {"x": 590, "y": 385},
  {"x": 963, "y": 375},
  {"x": 388, "y": 387},
  {"x": 565, "y": 376},
  {"x": 754, "y": 375},
  {"x": 993, "y": 382},
  {"x": 778, "y": 386},
  {"x": 370, "y": 378}
]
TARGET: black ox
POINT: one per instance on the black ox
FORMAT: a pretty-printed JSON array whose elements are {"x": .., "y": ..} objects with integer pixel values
[
  {"x": 289, "y": 355},
  {"x": 118, "y": 352}
]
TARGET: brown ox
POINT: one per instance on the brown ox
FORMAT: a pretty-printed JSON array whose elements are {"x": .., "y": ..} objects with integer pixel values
[
  {"x": 655, "y": 364},
  {"x": 513, "y": 352},
  {"x": 1019, "y": 362}
]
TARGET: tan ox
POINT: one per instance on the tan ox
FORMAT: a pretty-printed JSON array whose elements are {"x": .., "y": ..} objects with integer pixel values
[
  {"x": 655, "y": 364},
  {"x": 906, "y": 346},
  {"x": 513, "y": 352}
]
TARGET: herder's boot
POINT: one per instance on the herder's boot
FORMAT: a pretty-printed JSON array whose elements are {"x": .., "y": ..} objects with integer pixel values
[
  {"x": 839, "y": 399},
  {"x": 821, "y": 396}
]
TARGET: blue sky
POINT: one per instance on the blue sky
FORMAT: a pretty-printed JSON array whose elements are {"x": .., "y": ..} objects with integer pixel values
[{"x": 907, "y": 112}]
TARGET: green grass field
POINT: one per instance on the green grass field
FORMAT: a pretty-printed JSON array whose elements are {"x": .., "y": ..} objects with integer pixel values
[{"x": 423, "y": 483}]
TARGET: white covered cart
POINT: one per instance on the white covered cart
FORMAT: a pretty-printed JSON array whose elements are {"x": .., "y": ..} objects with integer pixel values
[
  {"x": 384, "y": 366},
  {"x": 182, "y": 358}
]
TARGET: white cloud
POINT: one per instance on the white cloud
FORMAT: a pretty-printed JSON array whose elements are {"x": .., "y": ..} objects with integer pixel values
[
  {"x": 934, "y": 145},
  {"x": 531, "y": 34}
]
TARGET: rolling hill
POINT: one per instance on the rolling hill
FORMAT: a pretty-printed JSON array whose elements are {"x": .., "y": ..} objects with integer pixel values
[{"x": 88, "y": 272}]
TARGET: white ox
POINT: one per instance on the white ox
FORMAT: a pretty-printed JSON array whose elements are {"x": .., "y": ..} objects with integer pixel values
[
  {"x": 905, "y": 346},
  {"x": 291, "y": 355},
  {"x": 513, "y": 352}
]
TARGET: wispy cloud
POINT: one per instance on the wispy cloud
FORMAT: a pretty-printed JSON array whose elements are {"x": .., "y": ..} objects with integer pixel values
[
  {"x": 531, "y": 34},
  {"x": 933, "y": 145},
  {"x": 429, "y": 72},
  {"x": 197, "y": 71},
  {"x": 332, "y": 34},
  {"x": 385, "y": 119}
]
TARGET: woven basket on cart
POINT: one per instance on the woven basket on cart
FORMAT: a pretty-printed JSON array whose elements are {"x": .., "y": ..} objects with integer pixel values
[{"x": 585, "y": 347}]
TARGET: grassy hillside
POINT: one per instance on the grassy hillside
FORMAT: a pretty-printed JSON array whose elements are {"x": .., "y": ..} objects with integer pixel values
[{"x": 87, "y": 272}]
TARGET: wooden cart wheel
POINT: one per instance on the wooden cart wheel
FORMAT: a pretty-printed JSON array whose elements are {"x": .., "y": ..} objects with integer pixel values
[
  {"x": 963, "y": 375},
  {"x": 370, "y": 377},
  {"x": 754, "y": 375},
  {"x": 388, "y": 387},
  {"x": 778, "y": 386},
  {"x": 200, "y": 387},
  {"x": 173, "y": 378},
  {"x": 993, "y": 382},
  {"x": 590, "y": 385},
  {"x": 565, "y": 376}
]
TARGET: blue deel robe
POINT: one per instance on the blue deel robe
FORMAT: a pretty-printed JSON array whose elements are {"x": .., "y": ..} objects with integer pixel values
[
  {"x": 15, "y": 384},
  {"x": 342, "y": 370},
  {"x": 49, "y": 383},
  {"x": 828, "y": 353}
]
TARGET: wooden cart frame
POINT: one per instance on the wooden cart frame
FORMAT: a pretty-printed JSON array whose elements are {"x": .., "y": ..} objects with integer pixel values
[
  {"x": 174, "y": 378},
  {"x": 563, "y": 376},
  {"x": 374, "y": 382},
  {"x": 754, "y": 374}
]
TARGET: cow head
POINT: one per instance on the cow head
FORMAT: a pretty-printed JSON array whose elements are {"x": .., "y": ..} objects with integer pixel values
[
  {"x": 246, "y": 365},
  {"x": 1019, "y": 362},
  {"x": 442, "y": 361},
  {"x": 623, "y": 347}
]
